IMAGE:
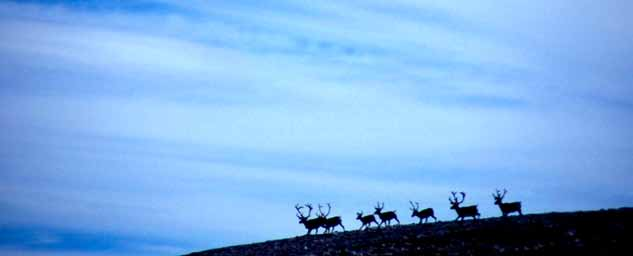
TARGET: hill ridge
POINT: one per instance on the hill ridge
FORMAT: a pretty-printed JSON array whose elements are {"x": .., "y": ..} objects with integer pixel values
[{"x": 599, "y": 232}]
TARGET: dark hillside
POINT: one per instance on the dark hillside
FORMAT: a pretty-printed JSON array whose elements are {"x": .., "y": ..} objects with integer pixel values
[{"x": 603, "y": 232}]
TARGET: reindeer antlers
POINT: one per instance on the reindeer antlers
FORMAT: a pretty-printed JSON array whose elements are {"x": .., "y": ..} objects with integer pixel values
[
  {"x": 329, "y": 208},
  {"x": 379, "y": 206},
  {"x": 300, "y": 214},
  {"x": 301, "y": 207},
  {"x": 416, "y": 206},
  {"x": 309, "y": 208},
  {"x": 456, "y": 200},
  {"x": 499, "y": 195}
]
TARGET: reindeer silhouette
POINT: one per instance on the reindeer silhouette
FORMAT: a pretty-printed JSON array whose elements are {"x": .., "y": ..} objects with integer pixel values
[
  {"x": 330, "y": 223},
  {"x": 506, "y": 208},
  {"x": 468, "y": 211},
  {"x": 310, "y": 224},
  {"x": 366, "y": 220},
  {"x": 423, "y": 214},
  {"x": 385, "y": 217}
]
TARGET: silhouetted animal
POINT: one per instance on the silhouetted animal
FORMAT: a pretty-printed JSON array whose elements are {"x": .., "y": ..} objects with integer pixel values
[
  {"x": 330, "y": 223},
  {"x": 310, "y": 224},
  {"x": 468, "y": 211},
  {"x": 423, "y": 214},
  {"x": 385, "y": 217},
  {"x": 366, "y": 220},
  {"x": 506, "y": 208}
]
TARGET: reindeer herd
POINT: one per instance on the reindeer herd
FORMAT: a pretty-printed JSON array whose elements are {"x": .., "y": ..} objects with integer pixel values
[{"x": 321, "y": 219}]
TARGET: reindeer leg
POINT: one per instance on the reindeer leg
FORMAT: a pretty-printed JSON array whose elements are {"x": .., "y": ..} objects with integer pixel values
[{"x": 398, "y": 220}]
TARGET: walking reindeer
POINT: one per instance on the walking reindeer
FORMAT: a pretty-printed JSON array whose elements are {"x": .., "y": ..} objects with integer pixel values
[
  {"x": 365, "y": 220},
  {"x": 506, "y": 208},
  {"x": 330, "y": 223},
  {"x": 385, "y": 217},
  {"x": 462, "y": 212},
  {"x": 423, "y": 214},
  {"x": 310, "y": 224}
]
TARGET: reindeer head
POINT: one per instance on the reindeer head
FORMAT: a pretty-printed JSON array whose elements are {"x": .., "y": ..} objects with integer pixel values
[
  {"x": 300, "y": 215},
  {"x": 498, "y": 196},
  {"x": 414, "y": 208},
  {"x": 455, "y": 201},
  {"x": 359, "y": 215},
  {"x": 379, "y": 207}
]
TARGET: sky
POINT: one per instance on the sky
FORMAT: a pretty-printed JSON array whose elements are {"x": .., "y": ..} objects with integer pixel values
[{"x": 165, "y": 127}]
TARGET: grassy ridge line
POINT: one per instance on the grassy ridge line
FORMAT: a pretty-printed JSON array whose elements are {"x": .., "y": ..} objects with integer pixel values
[{"x": 603, "y": 232}]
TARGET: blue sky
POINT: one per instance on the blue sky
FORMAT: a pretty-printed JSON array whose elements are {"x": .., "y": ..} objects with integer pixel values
[{"x": 164, "y": 127}]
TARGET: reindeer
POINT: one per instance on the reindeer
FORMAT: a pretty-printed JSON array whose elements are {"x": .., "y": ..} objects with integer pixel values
[
  {"x": 309, "y": 224},
  {"x": 385, "y": 217},
  {"x": 366, "y": 220},
  {"x": 506, "y": 208},
  {"x": 330, "y": 223},
  {"x": 423, "y": 214},
  {"x": 468, "y": 211}
]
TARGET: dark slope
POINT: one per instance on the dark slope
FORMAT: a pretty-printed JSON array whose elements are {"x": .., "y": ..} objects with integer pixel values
[{"x": 604, "y": 232}]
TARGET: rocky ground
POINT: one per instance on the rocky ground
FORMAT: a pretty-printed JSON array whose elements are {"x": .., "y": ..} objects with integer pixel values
[{"x": 602, "y": 232}]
